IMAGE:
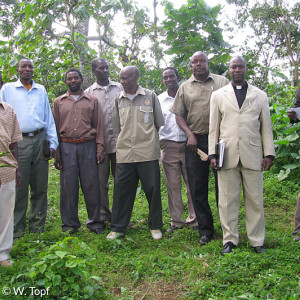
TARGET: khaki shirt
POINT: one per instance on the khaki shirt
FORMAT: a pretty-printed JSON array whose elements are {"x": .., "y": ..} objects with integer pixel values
[
  {"x": 138, "y": 121},
  {"x": 106, "y": 96},
  {"x": 9, "y": 133},
  {"x": 192, "y": 101},
  {"x": 79, "y": 119}
]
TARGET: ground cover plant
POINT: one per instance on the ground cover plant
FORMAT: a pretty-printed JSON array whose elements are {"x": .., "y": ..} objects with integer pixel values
[{"x": 57, "y": 265}]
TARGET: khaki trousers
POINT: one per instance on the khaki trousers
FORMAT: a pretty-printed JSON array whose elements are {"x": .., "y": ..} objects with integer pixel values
[
  {"x": 173, "y": 163},
  {"x": 7, "y": 204},
  {"x": 230, "y": 182},
  {"x": 296, "y": 231}
]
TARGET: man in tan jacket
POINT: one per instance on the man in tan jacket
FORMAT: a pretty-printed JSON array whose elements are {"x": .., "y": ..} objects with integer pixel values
[{"x": 240, "y": 117}]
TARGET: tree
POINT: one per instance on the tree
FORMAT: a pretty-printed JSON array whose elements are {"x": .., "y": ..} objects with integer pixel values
[
  {"x": 276, "y": 26},
  {"x": 195, "y": 27}
]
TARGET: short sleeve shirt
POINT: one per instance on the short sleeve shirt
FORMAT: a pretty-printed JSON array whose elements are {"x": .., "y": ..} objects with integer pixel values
[
  {"x": 192, "y": 101},
  {"x": 137, "y": 120},
  {"x": 106, "y": 96},
  {"x": 9, "y": 133}
]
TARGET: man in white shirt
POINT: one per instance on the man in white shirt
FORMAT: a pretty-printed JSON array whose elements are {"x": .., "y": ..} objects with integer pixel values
[{"x": 172, "y": 141}]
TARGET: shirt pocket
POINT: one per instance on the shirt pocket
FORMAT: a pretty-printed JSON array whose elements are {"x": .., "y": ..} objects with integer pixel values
[{"x": 146, "y": 114}]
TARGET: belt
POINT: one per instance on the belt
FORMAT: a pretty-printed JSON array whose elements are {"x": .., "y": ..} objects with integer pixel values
[
  {"x": 73, "y": 140},
  {"x": 33, "y": 133}
]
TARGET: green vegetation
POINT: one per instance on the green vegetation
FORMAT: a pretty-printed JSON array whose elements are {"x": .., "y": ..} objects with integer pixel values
[{"x": 87, "y": 266}]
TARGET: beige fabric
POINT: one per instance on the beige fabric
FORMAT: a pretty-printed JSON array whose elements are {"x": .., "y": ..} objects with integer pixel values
[
  {"x": 173, "y": 162},
  {"x": 137, "y": 121},
  {"x": 9, "y": 133},
  {"x": 106, "y": 96},
  {"x": 192, "y": 101},
  {"x": 7, "y": 204},
  {"x": 230, "y": 181},
  {"x": 247, "y": 132}
]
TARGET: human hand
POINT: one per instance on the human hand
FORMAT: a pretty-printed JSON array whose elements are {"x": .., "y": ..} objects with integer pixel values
[
  {"x": 58, "y": 164},
  {"x": 18, "y": 177},
  {"x": 100, "y": 158},
  {"x": 266, "y": 164},
  {"x": 214, "y": 164},
  {"x": 192, "y": 142},
  {"x": 292, "y": 115}
]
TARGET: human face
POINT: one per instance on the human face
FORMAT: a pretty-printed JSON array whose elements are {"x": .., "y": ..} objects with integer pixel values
[
  {"x": 199, "y": 65},
  {"x": 129, "y": 80},
  {"x": 170, "y": 79},
  {"x": 25, "y": 70},
  {"x": 101, "y": 70},
  {"x": 74, "y": 82},
  {"x": 237, "y": 70}
]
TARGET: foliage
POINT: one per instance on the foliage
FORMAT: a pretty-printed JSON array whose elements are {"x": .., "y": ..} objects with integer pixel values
[
  {"x": 176, "y": 267},
  {"x": 194, "y": 27},
  {"x": 286, "y": 135},
  {"x": 62, "y": 268},
  {"x": 276, "y": 27}
]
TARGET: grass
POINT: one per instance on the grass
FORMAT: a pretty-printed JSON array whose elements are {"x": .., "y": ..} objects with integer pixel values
[{"x": 87, "y": 266}]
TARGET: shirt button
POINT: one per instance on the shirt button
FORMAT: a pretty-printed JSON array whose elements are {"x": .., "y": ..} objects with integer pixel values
[{"x": 75, "y": 129}]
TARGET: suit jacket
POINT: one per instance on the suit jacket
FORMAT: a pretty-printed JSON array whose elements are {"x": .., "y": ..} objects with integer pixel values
[
  {"x": 297, "y": 103},
  {"x": 246, "y": 131}
]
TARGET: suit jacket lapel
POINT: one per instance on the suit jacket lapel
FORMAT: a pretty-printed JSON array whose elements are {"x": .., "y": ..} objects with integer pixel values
[
  {"x": 231, "y": 97},
  {"x": 250, "y": 96}
]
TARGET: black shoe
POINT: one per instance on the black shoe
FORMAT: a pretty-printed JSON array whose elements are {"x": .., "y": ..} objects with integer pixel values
[
  {"x": 205, "y": 239},
  {"x": 98, "y": 230},
  {"x": 70, "y": 230},
  {"x": 173, "y": 228},
  {"x": 259, "y": 249},
  {"x": 228, "y": 248}
]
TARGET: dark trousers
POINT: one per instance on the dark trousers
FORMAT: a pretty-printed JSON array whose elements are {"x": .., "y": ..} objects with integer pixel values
[
  {"x": 126, "y": 181},
  {"x": 79, "y": 161},
  {"x": 198, "y": 173}
]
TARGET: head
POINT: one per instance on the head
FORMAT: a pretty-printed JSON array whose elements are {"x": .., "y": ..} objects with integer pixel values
[
  {"x": 170, "y": 78},
  {"x": 25, "y": 69},
  {"x": 129, "y": 77},
  {"x": 238, "y": 70},
  {"x": 101, "y": 69},
  {"x": 199, "y": 65},
  {"x": 73, "y": 80}
]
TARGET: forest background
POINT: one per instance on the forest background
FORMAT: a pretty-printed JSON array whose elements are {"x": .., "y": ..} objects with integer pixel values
[{"x": 59, "y": 34}]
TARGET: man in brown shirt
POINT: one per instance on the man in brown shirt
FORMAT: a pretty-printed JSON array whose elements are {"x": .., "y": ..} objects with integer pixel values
[
  {"x": 105, "y": 90},
  {"x": 81, "y": 146},
  {"x": 191, "y": 107}
]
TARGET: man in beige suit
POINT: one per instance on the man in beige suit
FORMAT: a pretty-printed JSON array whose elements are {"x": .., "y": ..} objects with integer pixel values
[{"x": 240, "y": 117}]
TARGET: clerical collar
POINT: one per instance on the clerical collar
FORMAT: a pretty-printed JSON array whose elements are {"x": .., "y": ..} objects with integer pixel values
[{"x": 240, "y": 87}]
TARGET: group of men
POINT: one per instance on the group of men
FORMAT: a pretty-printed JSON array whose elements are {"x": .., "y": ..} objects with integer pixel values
[{"x": 119, "y": 129}]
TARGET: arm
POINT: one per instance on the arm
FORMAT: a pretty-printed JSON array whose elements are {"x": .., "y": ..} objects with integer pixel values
[
  {"x": 51, "y": 134},
  {"x": 14, "y": 149},
  {"x": 214, "y": 130},
  {"x": 267, "y": 135},
  {"x": 56, "y": 117},
  {"x": 98, "y": 124},
  {"x": 191, "y": 138},
  {"x": 292, "y": 114}
]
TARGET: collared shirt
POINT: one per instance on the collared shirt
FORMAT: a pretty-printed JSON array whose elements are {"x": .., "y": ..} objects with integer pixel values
[
  {"x": 32, "y": 108},
  {"x": 192, "y": 101},
  {"x": 137, "y": 120},
  {"x": 240, "y": 93},
  {"x": 170, "y": 131},
  {"x": 9, "y": 133},
  {"x": 79, "y": 119},
  {"x": 106, "y": 96}
]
